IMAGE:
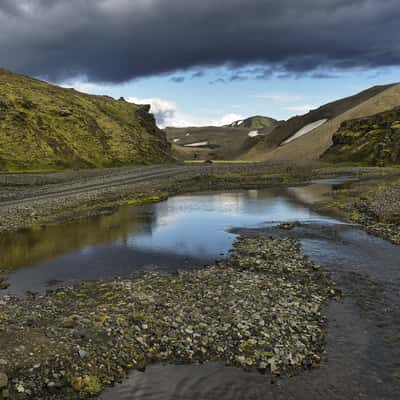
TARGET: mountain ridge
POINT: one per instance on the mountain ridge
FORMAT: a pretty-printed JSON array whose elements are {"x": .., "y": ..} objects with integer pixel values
[{"x": 314, "y": 143}]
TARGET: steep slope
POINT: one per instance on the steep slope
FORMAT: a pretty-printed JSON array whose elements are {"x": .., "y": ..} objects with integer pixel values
[
  {"x": 373, "y": 140},
  {"x": 43, "y": 126},
  {"x": 313, "y": 143},
  {"x": 256, "y": 122}
]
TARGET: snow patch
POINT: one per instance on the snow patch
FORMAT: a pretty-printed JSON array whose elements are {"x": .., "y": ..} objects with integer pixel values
[
  {"x": 188, "y": 134},
  {"x": 198, "y": 144},
  {"x": 176, "y": 140},
  {"x": 305, "y": 129},
  {"x": 236, "y": 124},
  {"x": 253, "y": 134}
]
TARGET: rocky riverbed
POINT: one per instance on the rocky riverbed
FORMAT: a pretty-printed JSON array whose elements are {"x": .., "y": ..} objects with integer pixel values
[{"x": 261, "y": 308}]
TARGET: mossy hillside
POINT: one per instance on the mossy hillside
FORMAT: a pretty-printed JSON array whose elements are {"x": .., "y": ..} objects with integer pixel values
[
  {"x": 43, "y": 127},
  {"x": 259, "y": 122},
  {"x": 256, "y": 122},
  {"x": 374, "y": 140}
]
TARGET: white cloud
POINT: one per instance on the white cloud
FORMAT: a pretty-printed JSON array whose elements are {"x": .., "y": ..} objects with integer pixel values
[
  {"x": 303, "y": 109},
  {"x": 228, "y": 119},
  {"x": 185, "y": 120},
  {"x": 280, "y": 98},
  {"x": 167, "y": 113},
  {"x": 286, "y": 101},
  {"x": 164, "y": 110},
  {"x": 82, "y": 85}
]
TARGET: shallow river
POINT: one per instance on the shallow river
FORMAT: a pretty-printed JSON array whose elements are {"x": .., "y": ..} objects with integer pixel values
[
  {"x": 181, "y": 232},
  {"x": 362, "y": 346}
]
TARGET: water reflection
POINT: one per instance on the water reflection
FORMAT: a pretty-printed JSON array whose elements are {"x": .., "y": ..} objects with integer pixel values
[
  {"x": 31, "y": 246},
  {"x": 183, "y": 230}
]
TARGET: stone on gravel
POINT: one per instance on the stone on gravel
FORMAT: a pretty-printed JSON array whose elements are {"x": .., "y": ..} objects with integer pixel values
[
  {"x": 258, "y": 309},
  {"x": 3, "y": 380}
]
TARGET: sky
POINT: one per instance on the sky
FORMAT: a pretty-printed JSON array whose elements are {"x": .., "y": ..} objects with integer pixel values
[{"x": 206, "y": 62}]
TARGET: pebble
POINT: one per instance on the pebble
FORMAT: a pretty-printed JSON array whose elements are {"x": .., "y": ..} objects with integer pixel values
[
  {"x": 3, "y": 380},
  {"x": 258, "y": 309}
]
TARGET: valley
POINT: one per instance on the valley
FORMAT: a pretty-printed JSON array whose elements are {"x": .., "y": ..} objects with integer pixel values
[
  {"x": 261, "y": 255},
  {"x": 199, "y": 200}
]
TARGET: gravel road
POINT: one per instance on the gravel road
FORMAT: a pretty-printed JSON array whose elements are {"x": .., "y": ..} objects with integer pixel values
[{"x": 76, "y": 185}]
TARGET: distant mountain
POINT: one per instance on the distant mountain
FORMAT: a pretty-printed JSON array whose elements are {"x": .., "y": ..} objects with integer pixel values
[
  {"x": 44, "y": 127},
  {"x": 210, "y": 142},
  {"x": 373, "y": 140},
  {"x": 309, "y": 136},
  {"x": 218, "y": 142},
  {"x": 256, "y": 122}
]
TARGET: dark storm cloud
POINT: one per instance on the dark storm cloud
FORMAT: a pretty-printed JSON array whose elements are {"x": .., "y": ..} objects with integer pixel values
[
  {"x": 198, "y": 74},
  {"x": 218, "y": 81},
  {"x": 178, "y": 79},
  {"x": 117, "y": 40}
]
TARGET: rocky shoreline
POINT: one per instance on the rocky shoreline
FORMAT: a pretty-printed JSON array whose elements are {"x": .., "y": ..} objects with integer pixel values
[
  {"x": 374, "y": 204},
  {"x": 260, "y": 308}
]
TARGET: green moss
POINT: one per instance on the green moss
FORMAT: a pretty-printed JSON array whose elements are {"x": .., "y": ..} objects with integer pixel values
[
  {"x": 261, "y": 122},
  {"x": 377, "y": 132},
  {"x": 246, "y": 347},
  {"x": 352, "y": 134},
  {"x": 355, "y": 216},
  {"x": 87, "y": 384},
  {"x": 373, "y": 140},
  {"x": 45, "y": 127},
  {"x": 146, "y": 199},
  {"x": 395, "y": 125}
]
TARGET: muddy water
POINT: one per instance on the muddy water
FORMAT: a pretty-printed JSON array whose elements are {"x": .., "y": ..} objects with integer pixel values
[{"x": 181, "y": 232}]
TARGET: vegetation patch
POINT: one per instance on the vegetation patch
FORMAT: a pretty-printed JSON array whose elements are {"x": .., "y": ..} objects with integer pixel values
[
  {"x": 137, "y": 201},
  {"x": 374, "y": 140},
  {"x": 375, "y": 204}
]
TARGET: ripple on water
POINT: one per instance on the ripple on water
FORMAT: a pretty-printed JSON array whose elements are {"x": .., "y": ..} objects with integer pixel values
[{"x": 196, "y": 382}]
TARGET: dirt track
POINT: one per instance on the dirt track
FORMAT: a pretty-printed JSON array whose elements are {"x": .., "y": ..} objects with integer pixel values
[
  {"x": 78, "y": 186},
  {"x": 37, "y": 199}
]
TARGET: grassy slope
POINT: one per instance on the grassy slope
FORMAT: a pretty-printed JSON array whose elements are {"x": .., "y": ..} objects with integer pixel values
[
  {"x": 373, "y": 140},
  {"x": 312, "y": 145},
  {"x": 47, "y": 127}
]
